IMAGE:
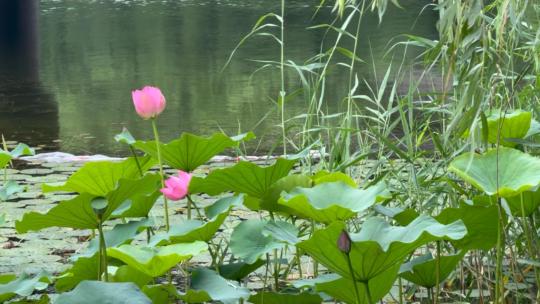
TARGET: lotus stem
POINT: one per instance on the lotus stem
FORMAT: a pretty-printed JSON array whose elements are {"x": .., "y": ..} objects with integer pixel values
[
  {"x": 499, "y": 283},
  {"x": 530, "y": 244},
  {"x": 102, "y": 254},
  {"x": 165, "y": 203},
  {"x": 282, "y": 93},
  {"x": 437, "y": 274},
  {"x": 356, "y": 292},
  {"x": 136, "y": 160}
]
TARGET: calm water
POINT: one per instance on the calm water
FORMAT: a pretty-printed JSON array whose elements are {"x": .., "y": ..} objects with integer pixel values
[{"x": 67, "y": 67}]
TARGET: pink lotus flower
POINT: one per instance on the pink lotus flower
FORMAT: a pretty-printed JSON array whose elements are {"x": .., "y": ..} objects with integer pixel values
[
  {"x": 176, "y": 188},
  {"x": 149, "y": 102}
]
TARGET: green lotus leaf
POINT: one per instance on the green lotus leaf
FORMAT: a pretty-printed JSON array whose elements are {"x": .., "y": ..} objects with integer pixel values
[
  {"x": 206, "y": 286},
  {"x": 253, "y": 238},
  {"x": 329, "y": 202},
  {"x": 524, "y": 204},
  {"x": 505, "y": 171},
  {"x": 19, "y": 150},
  {"x": 508, "y": 125},
  {"x": 10, "y": 286},
  {"x": 125, "y": 137},
  {"x": 5, "y": 158},
  {"x": 9, "y": 188},
  {"x": 83, "y": 269},
  {"x": 91, "y": 292},
  {"x": 120, "y": 234},
  {"x": 239, "y": 270},
  {"x": 2, "y": 219},
  {"x": 100, "y": 178},
  {"x": 223, "y": 204},
  {"x": 378, "y": 245},
  {"x": 343, "y": 288},
  {"x": 422, "y": 271},
  {"x": 137, "y": 206},
  {"x": 481, "y": 222},
  {"x": 270, "y": 200},
  {"x": 190, "y": 151},
  {"x": 268, "y": 297},
  {"x": 127, "y": 273},
  {"x": 244, "y": 177},
  {"x": 189, "y": 231},
  {"x": 328, "y": 177},
  {"x": 155, "y": 261},
  {"x": 78, "y": 213}
]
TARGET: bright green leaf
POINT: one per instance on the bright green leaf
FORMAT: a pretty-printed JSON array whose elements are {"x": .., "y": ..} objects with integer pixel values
[
  {"x": 92, "y": 292},
  {"x": 190, "y": 151},
  {"x": 504, "y": 171},
  {"x": 156, "y": 261}
]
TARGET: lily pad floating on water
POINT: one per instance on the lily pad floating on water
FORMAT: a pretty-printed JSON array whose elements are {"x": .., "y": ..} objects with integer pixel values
[
  {"x": 333, "y": 201},
  {"x": 155, "y": 261},
  {"x": 504, "y": 171}
]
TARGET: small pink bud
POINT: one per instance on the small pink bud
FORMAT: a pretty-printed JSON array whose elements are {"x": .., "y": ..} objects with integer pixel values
[
  {"x": 149, "y": 102},
  {"x": 344, "y": 242},
  {"x": 176, "y": 187}
]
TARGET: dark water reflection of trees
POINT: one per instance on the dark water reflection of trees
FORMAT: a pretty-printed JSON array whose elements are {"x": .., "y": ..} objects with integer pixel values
[{"x": 91, "y": 54}]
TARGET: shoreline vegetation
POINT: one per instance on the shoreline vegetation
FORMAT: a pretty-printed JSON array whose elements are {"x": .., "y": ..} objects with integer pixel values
[{"x": 378, "y": 218}]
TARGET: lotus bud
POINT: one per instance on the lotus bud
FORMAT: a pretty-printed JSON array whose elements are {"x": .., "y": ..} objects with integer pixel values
[{"x": 344, "y": 242}]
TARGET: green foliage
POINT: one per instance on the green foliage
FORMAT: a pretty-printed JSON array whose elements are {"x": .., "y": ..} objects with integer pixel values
[
  {"x": 284, "y": 298},
  {"x": 504, "y": 171},
  {"x": 11, "y": 286},
  {"x": 329, "y": 202},
  {"x": 100, "y": 178},
  {"x": 20, "y": 150},
  {"x": 377, "y": 252},
  {"x": 503, "y": 125},
  {"x": 91, "y": 292},
  {"x": 422, "y": 271},
  {"x": 78, "y": 212},
  {"x": 253, "y": 238},
  {"x": 155, "y": 261},
  {"x": 190, "y": 151}
]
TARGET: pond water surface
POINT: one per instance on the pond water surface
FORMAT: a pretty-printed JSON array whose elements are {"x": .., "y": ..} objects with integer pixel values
[{"x": 67, "y": 67}]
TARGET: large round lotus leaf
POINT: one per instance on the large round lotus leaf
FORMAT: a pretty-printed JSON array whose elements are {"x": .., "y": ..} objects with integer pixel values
[
  {"x": 378, "y": 246},
  {"x": 505, "y": 171},
  {"x": 78, "y": 212},
  {"x": 508, "y": 125},
  {"x": 91, "y": 292},
  {"x": 100, "y": 178},
  {"x": 253, "y": 238},
  {"x": 190, "y": 151},
  {"x": 155, "y": 261},
  {"x": 329, "y": 202}
]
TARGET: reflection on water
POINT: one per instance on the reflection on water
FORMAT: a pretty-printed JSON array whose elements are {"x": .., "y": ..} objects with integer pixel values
[
  {"x": 27, "y": 110},
  {"x": 90, "y": 54}
]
